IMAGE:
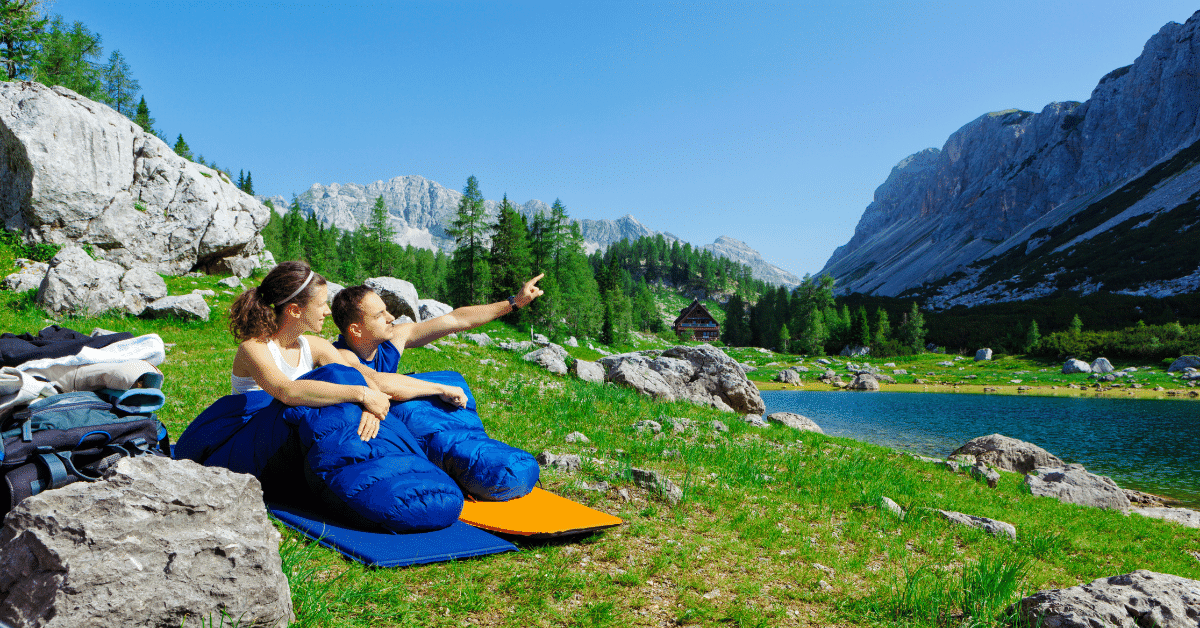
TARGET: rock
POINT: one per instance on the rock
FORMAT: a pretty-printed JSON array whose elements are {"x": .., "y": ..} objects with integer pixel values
[
  {"x": 187, "y": 307},
  {"x": 824, "y": 361},
  {"x": 399, "y": 296},
  {"x": 1008, "y": 454},
  {"x": 788, "y": 376},
  {"x": 599, "y": 487},
  {"x": 541, "y": 339},
  {"x": 1182, "y": 516},
  {"x": 481, "y": 339},
  {"x": 703, "y": 375},
  {"x": 577, "y": 437},
  {"x": 864, "y": 381},
  {"x": 429, "y": 308},
  {"x": 899, "y": 372},
  {"x": 648, "y": 425},
  {"x": 983, "y": 355},
  {"x": 1133, "y": 600},
  {"x": 233, "y": 283},
  {"x": 794, "y": 421},
  {"x": 572, "y": 342},
  {"x": 204, "y": 293},
  {"x": 156, "y": 542},
  {"x": 520, "y": 346},
  {"x": 987, "y": 474},
  {"x": 1183, "y": 363},
  {"x": 883, "y": 379},
  {"x": 719, "y": 426},
  {"x": 552, "y": 357},
  {"x": 991, "y": 526},
  {"x": 747, "y": 368},
  {"x": 1101, "y": 365},
  {"x": 565, "y": 462},
  {"x": 1072, "y": 484},
  {"x": 855, "y": 351},
  {"x": 77, "y": 284},
  {"x": 332, "y": 288},
  {"x": 28, "y": 277},
  {"x": 588, "y": 371},
  {"x": 755, "y": 420},
  {"x": 1073, "y": 366},
  {"x": 800, "y": 369},
  {"x": 891, "y": 506},
  {"x": 658, "y": 483}
]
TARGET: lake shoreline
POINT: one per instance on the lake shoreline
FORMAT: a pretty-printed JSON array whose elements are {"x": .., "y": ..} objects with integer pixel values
[{"x": 1012, "y": 390}]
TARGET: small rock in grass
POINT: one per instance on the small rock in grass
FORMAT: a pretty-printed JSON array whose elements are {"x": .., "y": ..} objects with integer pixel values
[
  {"x": 648, "y": 425},
  {"x": 566, "y": 462},
  {"x": 624, "y": 494},
  {"x": 991, "y": 526},
  {"x": 577, "y": 437},
  {"x": 657, "y": 482},
  {"x": 755, "y": 420},
  {"x": 891, "y": 506},
  {"x": 719, "y": 426}
]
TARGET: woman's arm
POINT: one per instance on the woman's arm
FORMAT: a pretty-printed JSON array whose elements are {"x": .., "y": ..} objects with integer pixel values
[
  {"x": 255, "y": 360},
  {"x": 402, "y": 387}
]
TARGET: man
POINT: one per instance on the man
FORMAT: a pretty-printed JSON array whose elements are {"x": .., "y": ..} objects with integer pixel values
[{"x": 369, "y": 338}]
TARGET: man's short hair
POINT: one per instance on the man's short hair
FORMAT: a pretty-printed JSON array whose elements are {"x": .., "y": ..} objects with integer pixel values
[{"x": 345, "y": 306}]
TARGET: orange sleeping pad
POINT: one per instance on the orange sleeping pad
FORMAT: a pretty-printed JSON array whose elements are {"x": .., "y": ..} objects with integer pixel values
[{"x": 539, "y": 514}]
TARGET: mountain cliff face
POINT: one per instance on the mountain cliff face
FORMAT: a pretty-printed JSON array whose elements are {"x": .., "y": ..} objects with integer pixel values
[
  {"x": 421, "y": 209},
  {"x": 1079, "y": 197}
]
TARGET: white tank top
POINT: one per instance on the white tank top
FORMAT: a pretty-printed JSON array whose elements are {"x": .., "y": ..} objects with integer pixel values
[{"x": 246, "y": 384}]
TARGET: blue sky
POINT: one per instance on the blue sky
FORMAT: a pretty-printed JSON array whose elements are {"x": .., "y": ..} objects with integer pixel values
[{"x": 772, "y": 123}]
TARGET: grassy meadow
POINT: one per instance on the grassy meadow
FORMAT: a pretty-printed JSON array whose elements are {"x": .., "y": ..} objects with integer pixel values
[{"x": 776, "y": 527}]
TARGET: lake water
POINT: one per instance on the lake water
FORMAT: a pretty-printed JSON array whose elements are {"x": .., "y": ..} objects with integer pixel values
[{"x": 1150, "y": 445}]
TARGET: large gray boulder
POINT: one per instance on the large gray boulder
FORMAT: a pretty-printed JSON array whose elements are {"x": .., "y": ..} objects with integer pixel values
[
  {"x": 75, "y": 171},
  {"x": 864, "y": 381},
  {"x": 399, "y": 296},
  {"x": 1101, "y": 365},
  {"x": 430, "y": 308},
  {"x": 1008, "y": 454},
  {"x": 1182, "y": 516},
  {"x": 703, "y": 375},
  {"x": 76, "y": 284},
  {"x": 156, "y": 542},
  {"x": 1072, "y": 484},
  {"x": 1072, "y": 366},
  {"x": 1135, "y": 600},
  {"x": 788, "y": 376},
  {"x": 587, "y": 371},
  {"x": 1183, "y": 363},
  {"x": 983, "y": 355},
  {"x": 143, "y": 281}
]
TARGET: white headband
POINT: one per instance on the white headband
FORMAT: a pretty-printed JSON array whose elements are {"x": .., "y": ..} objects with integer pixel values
[{"x": 298, "y": 290}]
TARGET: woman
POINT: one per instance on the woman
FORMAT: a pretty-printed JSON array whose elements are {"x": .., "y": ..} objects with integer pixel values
[
  {"x": 307, "y": 425},
  {"x": 271, "y": 321}
]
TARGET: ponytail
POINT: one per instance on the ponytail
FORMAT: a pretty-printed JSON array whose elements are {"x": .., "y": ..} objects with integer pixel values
[{"x": 255, "y": 313}]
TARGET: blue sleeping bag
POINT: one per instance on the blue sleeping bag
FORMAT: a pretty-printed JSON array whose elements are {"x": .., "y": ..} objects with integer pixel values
[
  {"x": 298, "y": 451},
  {"x": 454, "y": 439}
]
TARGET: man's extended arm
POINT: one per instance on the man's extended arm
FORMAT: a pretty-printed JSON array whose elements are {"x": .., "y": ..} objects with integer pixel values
[{"x": 469, "y": 317}]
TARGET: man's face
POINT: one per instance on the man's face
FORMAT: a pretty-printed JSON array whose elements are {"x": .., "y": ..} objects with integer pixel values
[{"x": 376, "y": 325}]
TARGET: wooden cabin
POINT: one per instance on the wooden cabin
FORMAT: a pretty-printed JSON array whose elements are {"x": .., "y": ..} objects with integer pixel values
[{"x": 695, "y": 319}]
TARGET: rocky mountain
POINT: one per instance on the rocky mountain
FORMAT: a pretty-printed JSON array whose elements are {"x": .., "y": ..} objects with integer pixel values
[
  {"x": 421, "y": 209},
  {"x": 1079, "y": 197}
]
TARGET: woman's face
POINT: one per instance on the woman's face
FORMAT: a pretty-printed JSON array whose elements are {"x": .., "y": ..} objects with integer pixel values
[{"x": 312, "y": 315}]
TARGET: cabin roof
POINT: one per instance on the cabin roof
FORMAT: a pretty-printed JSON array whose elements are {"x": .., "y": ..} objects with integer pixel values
[{"x": 694, "y": 309}]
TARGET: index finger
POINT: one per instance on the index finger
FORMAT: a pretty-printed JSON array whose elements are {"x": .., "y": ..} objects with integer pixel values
[{"x": 534, "y": 281}]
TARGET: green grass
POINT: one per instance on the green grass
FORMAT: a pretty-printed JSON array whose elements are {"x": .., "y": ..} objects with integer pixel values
[{"x": 761, "y": 509}]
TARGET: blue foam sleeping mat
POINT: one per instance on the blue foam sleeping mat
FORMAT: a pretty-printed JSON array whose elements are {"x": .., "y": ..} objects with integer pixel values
[{"x": 385, "y": 549}]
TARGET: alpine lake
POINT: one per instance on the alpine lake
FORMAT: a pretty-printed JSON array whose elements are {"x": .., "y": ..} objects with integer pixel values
[{"x": 1144, "y": 444}]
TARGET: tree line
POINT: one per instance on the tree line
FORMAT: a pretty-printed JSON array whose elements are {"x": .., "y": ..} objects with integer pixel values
[{"x": 49, "y": 50}]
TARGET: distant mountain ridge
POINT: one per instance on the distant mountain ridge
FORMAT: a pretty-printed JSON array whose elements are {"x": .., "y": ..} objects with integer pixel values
[
  {"x": 1080, "y": 197},
  {"x": 421, "y": 209}
]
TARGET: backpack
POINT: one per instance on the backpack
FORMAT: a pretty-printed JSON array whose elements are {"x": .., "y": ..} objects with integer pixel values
[{"x": 67, "y": 438}]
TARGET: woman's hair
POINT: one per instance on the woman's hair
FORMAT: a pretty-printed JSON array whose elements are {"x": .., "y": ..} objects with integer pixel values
[{"x": 255, "y": 313}]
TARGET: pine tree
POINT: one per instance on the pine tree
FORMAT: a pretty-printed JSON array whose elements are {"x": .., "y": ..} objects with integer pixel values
[
  {"x": 241, "y": 182},
  {"x": 862, "y": 328},
  {"x": 1076, "y": 325},
  {"x": 71, "y": 57},
  {"x": 510, "y": 251},
  {"x": 20, "y": 34},
  {"x": 119, "y": 85},
  {"x": 883, "y": 328},
  {"x": 469, "y": 276},
  {"x": 1033, "y": 337},
  {"x": 249, "y": 187},
  {"x": 378, "y": 233},
  {"x": 181, "y": 148},
  {"x": 142, "y": 117},
  {"x": 912, "y": 330}
]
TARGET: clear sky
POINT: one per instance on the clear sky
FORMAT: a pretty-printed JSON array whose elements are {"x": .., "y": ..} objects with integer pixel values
[{"x": 772, "y": 123}]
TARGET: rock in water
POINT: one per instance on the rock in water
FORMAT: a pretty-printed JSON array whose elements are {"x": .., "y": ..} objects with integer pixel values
[
  {"x": 1073, "y": 484},
  {"x": 1133, "y": 600},
  {"x": 76, "y": 171},
  {"x": 156, "y": 542},
  {"x": 795, "y": 421},
  {"x": 1008, "y": 454}
]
